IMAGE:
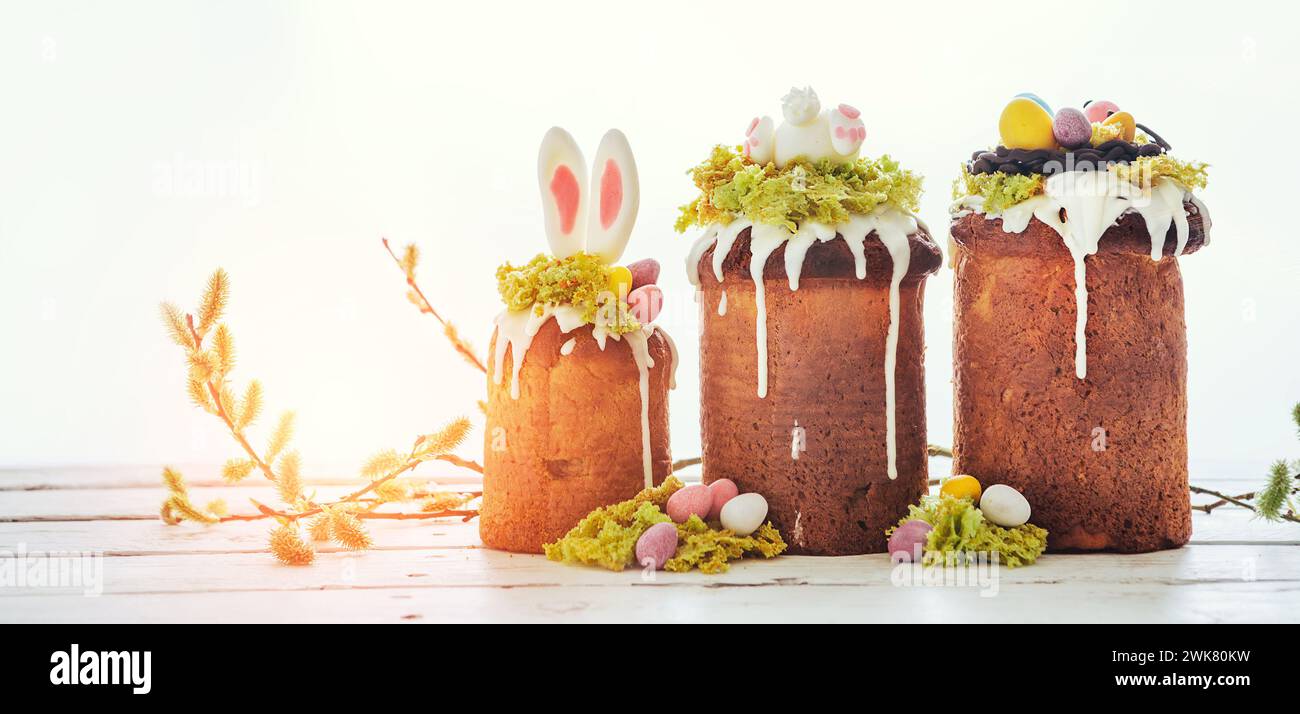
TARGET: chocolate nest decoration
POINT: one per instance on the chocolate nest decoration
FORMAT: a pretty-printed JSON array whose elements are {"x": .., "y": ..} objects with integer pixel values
[{"x": 1023, "y": 162}]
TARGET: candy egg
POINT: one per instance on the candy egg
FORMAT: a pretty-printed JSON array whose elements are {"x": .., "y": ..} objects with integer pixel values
[
  {"x": 1004, "y": 506},
  {"x": 690, "y": 501},
  {"x": 645, "y": 303},
  {"x": 644, "y": 272},
  {"x": 723, "y": 490},
  {"x": 620, "y": 281},
  {"x": 1126, "y": 123},
  {"x": 657, "y": 545},
  {"x": 961, "y": 487},
  {"x": 744, "y": 514},
  {"x": 1099, "y": 110},
  {"x": 1071, "y": 128},
  {"x": 1037, "y": 100},
  {"x": 908, "y": 540},
  {"x": 1026, "y": 125}
]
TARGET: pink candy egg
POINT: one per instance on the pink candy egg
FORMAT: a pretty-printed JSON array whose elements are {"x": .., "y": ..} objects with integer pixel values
[
  {"x": 1098, "y": 111},
  {"x": 690, "y": 501},
  {"x": 907, "y": 540},
  {"x": 657, "y": 545},
  {"x": 644, "y": 272},
  {"x": 1071, "y": 128},
  {"x": 722, "y": 490},
  {"x": 645, "y": 303}
]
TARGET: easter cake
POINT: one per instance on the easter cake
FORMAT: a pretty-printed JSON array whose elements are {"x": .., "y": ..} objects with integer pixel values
[
  {"x": 1070, "y": 348},
  {"x": 577, "y": 409},
  {"x": 809, "y": 275}
]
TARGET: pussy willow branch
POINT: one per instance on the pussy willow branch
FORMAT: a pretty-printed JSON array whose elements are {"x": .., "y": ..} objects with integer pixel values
[
  {"x": 426, "y": 307},
  {"x": 1234, "y": 500},
  {"x": 221, "y": 408}
]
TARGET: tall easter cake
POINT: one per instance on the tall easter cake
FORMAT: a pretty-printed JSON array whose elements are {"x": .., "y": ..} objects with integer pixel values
[
  {"x": 1070, "y": 349},
  {"x": 809, "y": 276},
  {"x": 577, "y": 410}
]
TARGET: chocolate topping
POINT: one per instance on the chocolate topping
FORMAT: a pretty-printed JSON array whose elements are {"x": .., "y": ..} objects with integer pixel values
[{"x": 1048, "y": 162}]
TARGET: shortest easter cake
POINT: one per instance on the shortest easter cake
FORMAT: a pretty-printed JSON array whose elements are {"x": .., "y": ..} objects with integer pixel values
[{"x": 577, "y": 410}]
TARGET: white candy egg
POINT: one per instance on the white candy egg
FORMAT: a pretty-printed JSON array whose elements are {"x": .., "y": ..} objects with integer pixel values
[
  {"x": 744, "y": 513},
  {"x": 1004, "y": 506}
]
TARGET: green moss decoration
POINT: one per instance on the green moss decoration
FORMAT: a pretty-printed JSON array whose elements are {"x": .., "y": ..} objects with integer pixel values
[
  {"x": 998, "y": 190},
  {"x": 1191, "y": 174},
  {"x": 580, "y": 280},
  {"x": 731, "y": 185},
  {"x": 699, "y": 546},
  {"x": 607, "y": 537},
  {"x": 959, "y": 527}
]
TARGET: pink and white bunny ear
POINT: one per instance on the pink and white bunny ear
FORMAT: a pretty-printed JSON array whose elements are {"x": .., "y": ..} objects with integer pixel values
[
  {"x": 616, "y": 195},
  {"x": 562, "y": 177}
]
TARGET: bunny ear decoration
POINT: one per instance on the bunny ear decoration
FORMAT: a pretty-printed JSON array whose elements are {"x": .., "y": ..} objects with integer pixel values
[
  {"x": 562, "y": 178},
  {"x": 616, "y": 195}
]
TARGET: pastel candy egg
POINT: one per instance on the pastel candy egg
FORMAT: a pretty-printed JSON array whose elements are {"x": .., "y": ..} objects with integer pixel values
[
  {"x": 644, "y": 272},
  {"x": 1071, "y": 128},
  {"x": 657, "y": 545},
  {"x": 1098, "y": 111},
  {"x": 645, "y": 303},
  {"x": 744, "y": 514},
  {"x": 961, "y": 487},
  {"x": 1037, "y": 100},
  {"x": 908, "y": 540},
  {"x": 690, "y": 501},
  {"x": 1026, "y": 125},
  {"x": 723, "y": 490},
  {"x": 1126, "y": 123},
  {"x": 620, "y": 280},
  {"x": 1004, "y": 506}
]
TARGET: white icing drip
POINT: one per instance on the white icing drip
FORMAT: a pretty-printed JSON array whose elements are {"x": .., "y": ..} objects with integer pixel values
[
  {"x": 726, "y": 238},
  {"x": 763, "y": 239},
  {"x": 1093, "y": 202},
  {"x": 893, "y": 230},
  {"x": 637, "y": 341},
  {"x": 722, "y": 304},
  {"x": 698, "y": 249},
  {"x": 516, "y": 329}
]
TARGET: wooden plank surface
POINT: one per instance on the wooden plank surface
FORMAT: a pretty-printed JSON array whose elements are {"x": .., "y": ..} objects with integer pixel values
[{"x": 1237, "y": 569}]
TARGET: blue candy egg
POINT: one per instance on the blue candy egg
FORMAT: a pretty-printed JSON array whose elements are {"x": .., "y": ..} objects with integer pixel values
[{"x": 1037, "y": 100}]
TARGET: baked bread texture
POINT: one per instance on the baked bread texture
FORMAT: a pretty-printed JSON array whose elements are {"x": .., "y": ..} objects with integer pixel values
[
  {"x": 815, "y": 446},
  {"x": 1102, "y": 460},
  {"x": 572, "y": 441}
]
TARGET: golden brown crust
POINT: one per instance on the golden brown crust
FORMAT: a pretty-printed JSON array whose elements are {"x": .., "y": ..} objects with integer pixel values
[
  {"x": 1102, "y": 461},
  {"x": 1129, "y": 235},
  {"x": 831, "y": 259},
  {"x": 826, "y": 353},
  {"x": 572, "y": 441}
]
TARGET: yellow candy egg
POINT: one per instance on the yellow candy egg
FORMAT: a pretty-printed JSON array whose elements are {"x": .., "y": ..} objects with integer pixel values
[
  {"x": 1126, "y": 123},
  {"x": 620, "y": 281},
  {"x": 1026, "y": 125},
  {"x": 961, "y": 487}
]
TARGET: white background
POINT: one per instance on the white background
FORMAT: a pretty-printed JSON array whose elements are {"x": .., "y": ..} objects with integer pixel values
[{"x": 345, "y": 122}]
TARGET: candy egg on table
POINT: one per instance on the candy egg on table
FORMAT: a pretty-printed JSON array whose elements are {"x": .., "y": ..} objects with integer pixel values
[
  {"x": 744, "y": 514},
  {"x": 904, "y": 541},
  {"x": 723, "y": 490},
  {"x": 620, "y": 280},
  {"x": 1098, "y": 111},
  {"x": 645, "y": 303},
  {"x": 1037, "y": 100},
  {"x": 657, "y": 545},
  {"x": 962, "y": 486},
  {"x": 1071, "y": 128},
  {"x": 1126, "y": 123},
  {"x": 690, "y": 501},
  {"x": 1004, "y": 506},
  {"x": 644, "y": 272},
  {"x": 1025, "y": 124}
]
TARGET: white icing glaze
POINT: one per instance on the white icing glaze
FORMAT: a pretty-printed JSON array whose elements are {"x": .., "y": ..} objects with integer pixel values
[
  {"x": 517, "y": 328},
  {"x": 722, "y": 304},
  {"x": 1094, "y": 201},
  {"x": 890, "y": 225}
]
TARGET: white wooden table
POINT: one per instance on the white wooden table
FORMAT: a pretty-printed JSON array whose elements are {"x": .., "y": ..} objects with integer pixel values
[{"x": 1235, "y": 570}]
